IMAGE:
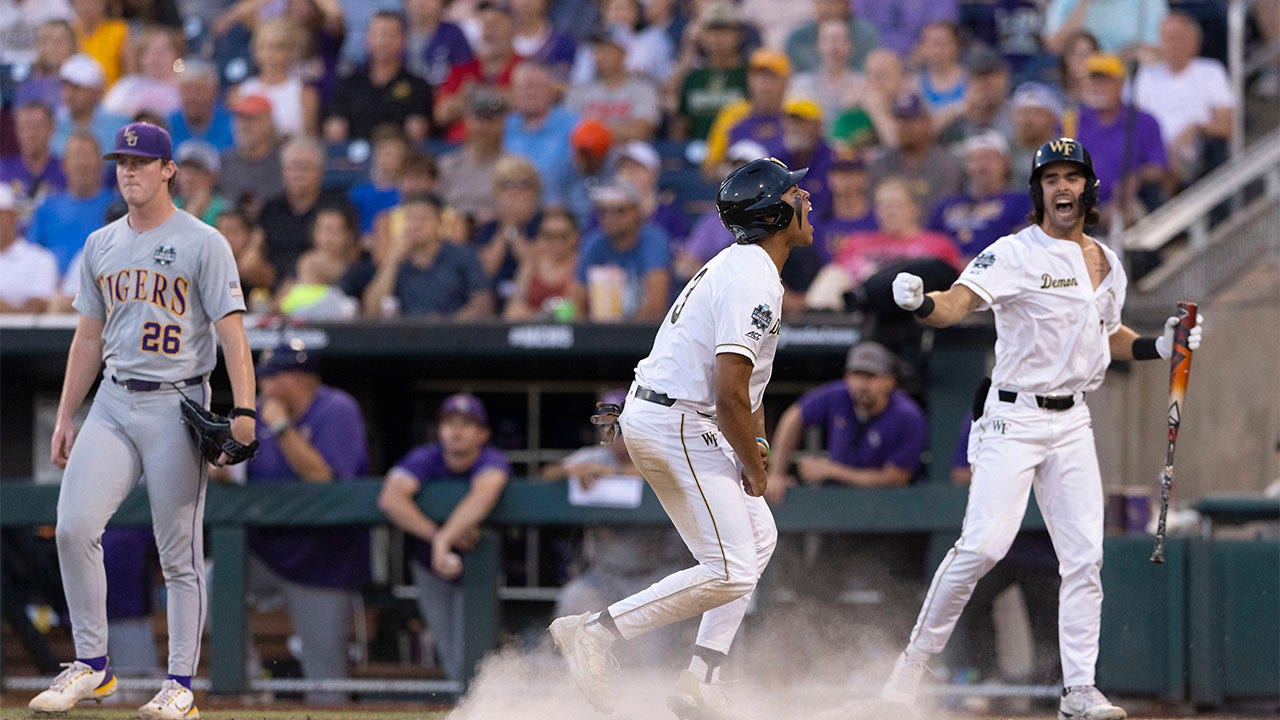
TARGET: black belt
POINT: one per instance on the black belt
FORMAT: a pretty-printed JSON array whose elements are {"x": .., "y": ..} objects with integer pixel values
[
  {"x": 150, "y": 385},
  {"x": 645, "y": 393},
  {"x": 1050, "y": 402}
]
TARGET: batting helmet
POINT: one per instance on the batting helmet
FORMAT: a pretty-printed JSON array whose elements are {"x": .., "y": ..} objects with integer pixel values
[
  {"x": 1069, "y": 150},
  {"x": 750, "y": 199}
]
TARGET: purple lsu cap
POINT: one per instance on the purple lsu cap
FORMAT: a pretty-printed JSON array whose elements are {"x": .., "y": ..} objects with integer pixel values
[
  {"x": 467, "y": 405},
  {"x": 142, "y": 140}
]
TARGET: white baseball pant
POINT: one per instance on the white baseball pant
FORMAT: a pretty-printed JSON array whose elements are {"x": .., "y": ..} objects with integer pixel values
[
  {"x": 697, "y": 478},
  {"x": 1013, "y": 447}
]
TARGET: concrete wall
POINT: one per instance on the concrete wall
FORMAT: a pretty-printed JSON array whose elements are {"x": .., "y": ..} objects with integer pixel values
[{"x": 1232, "y": 416}]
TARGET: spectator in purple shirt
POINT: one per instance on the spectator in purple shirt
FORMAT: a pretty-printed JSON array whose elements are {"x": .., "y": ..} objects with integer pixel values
[
  {"x": 1126, "y": 145},
  {"x": 989, "y": 208},
  {"x": 434, "y": 46},
  {"x": 34, "y": 171},
  {"x": 536, "y": 39},
  {"x": 899, "y": 23},
  {"x": 875, "y": 431},
  {"x": 313, "y": 433},
  {"x": 875, "y": 436},
  {"x": 461, "y": 454}
]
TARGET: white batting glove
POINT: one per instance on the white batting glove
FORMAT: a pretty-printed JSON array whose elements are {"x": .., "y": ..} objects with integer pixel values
[
  {"x": 1164, "y": 343},
  {"x": 908, "y": 291}
]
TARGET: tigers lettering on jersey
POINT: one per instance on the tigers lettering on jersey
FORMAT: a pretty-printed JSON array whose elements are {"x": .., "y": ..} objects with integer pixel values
[{"x": 143, "y": 285}]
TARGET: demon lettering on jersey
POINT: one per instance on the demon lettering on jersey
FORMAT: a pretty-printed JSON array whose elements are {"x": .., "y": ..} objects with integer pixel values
[
  {"x": 1047, "y": 282},
  {"x": 141, "y": 285}
]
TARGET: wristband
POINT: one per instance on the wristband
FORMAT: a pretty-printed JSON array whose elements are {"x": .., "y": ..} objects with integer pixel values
[
  {"x": 243, "y": 412},
  {"x": 1144, "y": 348},
  {"x": 925, "y": 309},
  {"x": 767, "y": 450}
]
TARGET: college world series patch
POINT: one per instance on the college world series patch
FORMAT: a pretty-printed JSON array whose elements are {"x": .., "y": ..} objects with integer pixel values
[
  {"x": 984, "y": 260},
  {"x": 762, "y": 316},
  {"x": 164, "y": 255}
]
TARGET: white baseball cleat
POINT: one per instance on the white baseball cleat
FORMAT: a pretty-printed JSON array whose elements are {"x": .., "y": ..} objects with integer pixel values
[
  {"x": 695, "y": 700},
  {"x": 78, "y": 682},
  {"x": 590, "y": 660},
  {"x": 904, "y": 681},
  {"x": 173, "y": 702},
  {"x": 1086, "y": 702}
]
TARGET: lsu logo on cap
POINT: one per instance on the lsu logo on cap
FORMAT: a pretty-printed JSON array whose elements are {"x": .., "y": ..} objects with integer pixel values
[
  {"x": 1066, "y": 147},
  {"x": 130, "y": 137}
]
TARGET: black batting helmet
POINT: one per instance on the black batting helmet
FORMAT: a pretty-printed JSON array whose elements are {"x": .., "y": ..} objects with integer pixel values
[
  {"x": 1070, "y": 150},
  {"x": 750, "y": 199}
]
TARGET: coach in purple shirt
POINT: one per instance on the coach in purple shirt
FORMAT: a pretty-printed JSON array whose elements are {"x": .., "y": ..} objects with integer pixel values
[
  {"x": 875, "y": 432},
  {"x": 462, "y": 454},
  {"x": 309, "y": 432}
]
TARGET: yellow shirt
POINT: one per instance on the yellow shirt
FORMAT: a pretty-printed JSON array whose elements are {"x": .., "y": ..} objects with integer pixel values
[
  {"x": 106, "y": 44},
  {"x": 718, "y": 136}
]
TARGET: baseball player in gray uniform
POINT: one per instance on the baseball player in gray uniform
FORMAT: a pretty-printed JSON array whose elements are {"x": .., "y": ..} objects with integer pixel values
[
  {"x": 1057, "y": 295},
  {"x": 694, "y": 426},
  {"x": 151, "y": 284}
]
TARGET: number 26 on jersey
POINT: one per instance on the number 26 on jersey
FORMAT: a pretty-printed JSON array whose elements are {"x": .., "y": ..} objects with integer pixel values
[{"x": 157, "y": 338}]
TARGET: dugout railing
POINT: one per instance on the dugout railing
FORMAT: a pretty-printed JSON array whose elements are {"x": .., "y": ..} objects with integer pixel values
[{"x": 1199, "y": 628}]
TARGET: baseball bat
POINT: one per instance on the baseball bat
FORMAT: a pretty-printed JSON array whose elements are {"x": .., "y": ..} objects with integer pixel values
[{"x": 1179, "y": 371}]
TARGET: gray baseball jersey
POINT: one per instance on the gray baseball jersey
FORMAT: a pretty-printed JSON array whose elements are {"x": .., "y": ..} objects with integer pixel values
[{"x": 158, "y": 292}]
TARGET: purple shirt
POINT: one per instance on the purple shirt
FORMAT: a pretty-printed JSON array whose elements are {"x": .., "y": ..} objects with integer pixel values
[
  {"x": 336, "y": 557},
  {"x": 764, "y": 129},
  {"x": 29, "y": 190},
  {"x": 708, "y": 237},
  {"x": 445, "y": 48},
  {"x": 426, "y": 463},
  {"x": 974, "y": 223},
  {"x": 828, "y": 230},
  {"x": 1106, "y": 145},
  {"x": 895, "y": 437},
  {"x": 900, "y": 23}
]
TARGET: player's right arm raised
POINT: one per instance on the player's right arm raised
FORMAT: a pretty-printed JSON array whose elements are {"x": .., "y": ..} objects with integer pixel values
[
  {"x": 83, "y": 361},
  {"x": 946, "y": 307}
]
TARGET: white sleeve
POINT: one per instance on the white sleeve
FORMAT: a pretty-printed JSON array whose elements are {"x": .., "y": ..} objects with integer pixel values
[
  {"x": 994, "y": 274},
  {"x": 745, "y": 312}
]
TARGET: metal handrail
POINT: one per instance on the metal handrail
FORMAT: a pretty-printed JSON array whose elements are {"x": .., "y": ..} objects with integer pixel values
[{"x": 1189, "y": 211}]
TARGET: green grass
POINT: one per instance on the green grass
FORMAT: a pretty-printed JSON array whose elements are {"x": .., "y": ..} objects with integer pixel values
[{"x": 362, "y": 712}]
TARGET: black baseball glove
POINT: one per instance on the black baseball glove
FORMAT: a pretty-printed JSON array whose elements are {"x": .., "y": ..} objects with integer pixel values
[
  {"x": 212, "y": 435},
  {"x": 606, "y": 421}
]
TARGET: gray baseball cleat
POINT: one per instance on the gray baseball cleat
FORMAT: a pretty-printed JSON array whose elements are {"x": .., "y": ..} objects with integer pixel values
[
  {"x": 904, "y": 681},
  {"x": 589, "y": 657},
  {"x": 1086, "y": 702},
  {"x": 693, "y": 699}
]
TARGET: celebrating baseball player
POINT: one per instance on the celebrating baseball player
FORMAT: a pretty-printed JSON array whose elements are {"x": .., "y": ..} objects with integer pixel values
[
  {"x": 694, "y": 426},
  {"x": 151, "y": 283},
  {"x": 1057, "y": 295}
]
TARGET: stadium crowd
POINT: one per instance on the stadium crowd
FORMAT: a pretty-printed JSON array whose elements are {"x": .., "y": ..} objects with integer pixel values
[{"x": 518, "y": 159}]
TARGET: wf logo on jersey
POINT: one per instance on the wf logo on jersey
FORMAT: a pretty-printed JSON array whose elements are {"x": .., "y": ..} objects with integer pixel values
[
  {"x": 711, "y": 439},
  {"x": 142, "y": 285}
]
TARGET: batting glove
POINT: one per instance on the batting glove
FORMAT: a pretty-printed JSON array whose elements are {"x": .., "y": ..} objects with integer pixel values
[
  {"x": 908, "y": 291},
  {"x": 1164, "y": 343}
]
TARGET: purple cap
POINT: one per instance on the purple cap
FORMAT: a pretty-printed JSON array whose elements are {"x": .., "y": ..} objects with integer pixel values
[
  {"x": 289, "y": 355},
  {"x": 464, "y": 404},
  {"x": 142, "y": 140}
]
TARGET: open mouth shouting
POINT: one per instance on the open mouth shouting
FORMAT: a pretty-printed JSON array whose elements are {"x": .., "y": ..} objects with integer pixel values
[{"x": 1064, "y": 208}]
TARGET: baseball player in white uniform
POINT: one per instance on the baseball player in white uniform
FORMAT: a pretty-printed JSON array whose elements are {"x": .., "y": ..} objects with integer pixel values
[
  {"x": 151, "y": 284},
  {"x": 1057, "y": 296},
  {"x": 694, "y": 426}
]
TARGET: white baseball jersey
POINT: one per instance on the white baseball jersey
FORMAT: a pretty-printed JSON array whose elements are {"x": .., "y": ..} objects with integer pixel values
[
  {"x": 1052, "y": 327},
  {"x": 733, "y": 304}
]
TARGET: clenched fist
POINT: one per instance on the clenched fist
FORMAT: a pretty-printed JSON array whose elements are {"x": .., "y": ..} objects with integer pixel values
[
  {"x": 908, "y": 291},
  {"x": 1164, "y": 343}
]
